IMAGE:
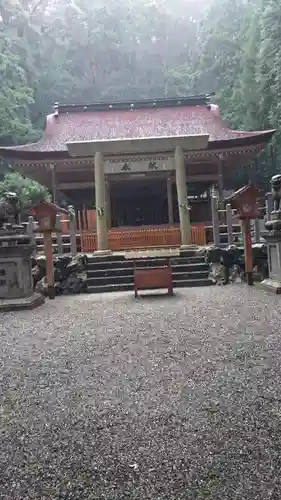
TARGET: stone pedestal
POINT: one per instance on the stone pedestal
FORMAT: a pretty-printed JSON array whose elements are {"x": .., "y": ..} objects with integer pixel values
[
  {"x": 16, "y": 284},
  {"x": 273, "y": 240}
]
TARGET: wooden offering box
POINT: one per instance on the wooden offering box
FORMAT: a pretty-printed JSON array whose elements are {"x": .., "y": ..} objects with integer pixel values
[{"x": 153, "y": 277}]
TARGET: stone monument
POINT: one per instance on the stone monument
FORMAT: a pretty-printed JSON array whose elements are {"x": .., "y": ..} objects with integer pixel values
[
  {"x": 16, "y": 248},
  {"x": 273, "y": 239}
]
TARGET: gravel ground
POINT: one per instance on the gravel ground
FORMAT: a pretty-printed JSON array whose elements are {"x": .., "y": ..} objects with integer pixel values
[{"x": 108, "y": 397}]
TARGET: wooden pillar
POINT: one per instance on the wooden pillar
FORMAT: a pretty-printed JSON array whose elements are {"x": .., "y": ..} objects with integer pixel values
[
  {"x": 185, "y": 226},
  {"x": 54, "y": 183},
  {"x": 108, "y": 205},
  {"x": 220, "y": 179},
  {"x": 102, "y": 233},
  {"x": 72, "y": 230},
  {"x": 59, "y": 235},
  {"x": 48, "y": 249},
  {"x": 170, "y": 200},
  {"x": 229, "y": 223},
  {"x": 215, "y": 220},
  {"x": 248, "y": 251}
]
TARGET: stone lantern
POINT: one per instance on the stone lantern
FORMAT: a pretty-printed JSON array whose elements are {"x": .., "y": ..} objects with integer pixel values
[
  {"x": 46, "y": 212},
  {"x": 273, "y": 239},
  {"x": 245, "y": 202},
  {"x": 16, "y": 248}
]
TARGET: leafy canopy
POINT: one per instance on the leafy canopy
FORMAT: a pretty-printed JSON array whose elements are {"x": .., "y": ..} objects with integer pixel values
[{"x": 29, "y": 192}]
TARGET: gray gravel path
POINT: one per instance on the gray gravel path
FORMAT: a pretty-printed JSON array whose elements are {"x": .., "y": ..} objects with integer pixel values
[{"x": 106, "y": 397}]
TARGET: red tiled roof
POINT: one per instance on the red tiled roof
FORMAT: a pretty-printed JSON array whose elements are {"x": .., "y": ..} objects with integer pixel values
[{"x": 78, "y": 125}]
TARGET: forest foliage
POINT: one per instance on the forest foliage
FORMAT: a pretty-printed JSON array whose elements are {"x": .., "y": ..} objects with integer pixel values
[
  {"x": 80, "y": 50},
  {"x": 28, "y": 191}
]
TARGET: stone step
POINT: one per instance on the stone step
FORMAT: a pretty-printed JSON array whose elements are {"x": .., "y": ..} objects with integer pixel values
[
  {"x": 112, "y": 279},
  {"x": 115, "y": 273},
  {"x": 109, "y": 264},
  {"x": 174, "y": 261},
  {"x": 122, "y": 287},
  {"x": 117, "y": 260},
  {"x": 197, "y": 266},
  {"x": 188, "y": 260},
  {"x": 118, "y": 271},
  {"x": 126, "y": 267},
  {"x": 115, "y": 278},
  {"x": 96, "y": 259},
  {"x": 147, "y": 263},
  {"x": 188, "y": 253},
  {"x": 193, "y": 275}
]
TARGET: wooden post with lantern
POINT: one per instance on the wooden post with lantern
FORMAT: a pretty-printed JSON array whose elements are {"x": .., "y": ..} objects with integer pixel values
[
  {"x": 245, "y": 202},
  {"x": 45, "y": 213}
]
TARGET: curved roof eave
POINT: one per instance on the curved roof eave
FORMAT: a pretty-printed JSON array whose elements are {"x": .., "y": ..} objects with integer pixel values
[
  {"x": 19, "y": 153},
  {"x": 254, "y": 138}
]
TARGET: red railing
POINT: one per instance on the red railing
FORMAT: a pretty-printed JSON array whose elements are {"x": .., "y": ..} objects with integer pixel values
[{"x": 150, "y": 237}]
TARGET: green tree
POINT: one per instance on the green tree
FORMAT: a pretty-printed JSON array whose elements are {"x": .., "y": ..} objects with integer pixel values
[
  {"x": 269, "y": 65},
  {"x": 249, "y": 87},
  {"x": 29, "y": 192},
  {"x": 15, "y": 98},
  {"x": 269, "y": 71},
  {"x": 222, "y": 36}
]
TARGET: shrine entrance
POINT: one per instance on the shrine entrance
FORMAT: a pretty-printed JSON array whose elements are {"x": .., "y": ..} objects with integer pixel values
[
  {"x": 144, "y": 202},
  {"x": 141, "y": 202}
]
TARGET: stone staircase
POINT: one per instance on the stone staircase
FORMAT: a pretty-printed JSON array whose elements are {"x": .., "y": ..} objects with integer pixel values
[{"x": 115, "y": 273}]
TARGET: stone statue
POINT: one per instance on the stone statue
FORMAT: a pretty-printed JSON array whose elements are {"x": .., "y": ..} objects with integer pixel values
[
  {"x": 276, "y": 192},
  {"x": 274, "y": 224},
  {"x": 71, "y": 212},
  {"x": 9, "y": 210},
  {"x": 273, "y": 239}
]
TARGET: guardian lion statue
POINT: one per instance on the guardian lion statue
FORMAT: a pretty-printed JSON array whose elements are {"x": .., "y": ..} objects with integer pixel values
[
  {"x": 276, "y": 192},
  {"x": 9, "y": 210}
]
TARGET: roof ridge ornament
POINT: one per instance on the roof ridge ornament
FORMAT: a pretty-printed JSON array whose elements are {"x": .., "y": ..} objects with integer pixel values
[{"x": 159, "y": 102}]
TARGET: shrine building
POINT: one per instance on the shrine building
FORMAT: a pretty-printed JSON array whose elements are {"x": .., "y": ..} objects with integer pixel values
[{"x": 146, "y": 165}]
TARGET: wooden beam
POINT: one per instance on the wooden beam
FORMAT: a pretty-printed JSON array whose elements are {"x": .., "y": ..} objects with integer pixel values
[
  {"x": 138, "y": 145},
  {"x": 74, "y": 167},
  {"x": 64, "y": 186}
]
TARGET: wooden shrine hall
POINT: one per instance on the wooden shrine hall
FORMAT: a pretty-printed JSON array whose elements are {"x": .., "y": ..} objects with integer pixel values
[{"x": 143, "y": 170}]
